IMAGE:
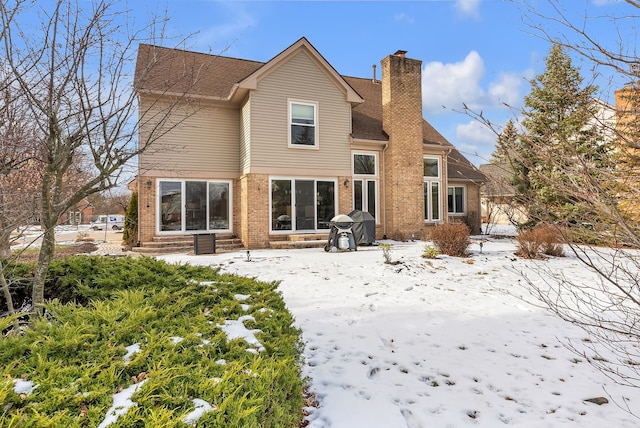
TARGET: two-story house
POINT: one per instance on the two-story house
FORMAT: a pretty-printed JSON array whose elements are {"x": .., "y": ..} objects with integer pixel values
[{"x": 267, "y": 151}]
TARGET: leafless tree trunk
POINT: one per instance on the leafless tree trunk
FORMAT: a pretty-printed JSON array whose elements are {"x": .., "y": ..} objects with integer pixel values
[
  {"x": 74, "y": 72},
  {"x": 6, "y": 291},
  {"x": 17, "y": 174}
]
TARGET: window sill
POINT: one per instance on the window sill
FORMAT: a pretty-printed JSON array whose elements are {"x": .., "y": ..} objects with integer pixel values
[{"x": 303, "y": 147}]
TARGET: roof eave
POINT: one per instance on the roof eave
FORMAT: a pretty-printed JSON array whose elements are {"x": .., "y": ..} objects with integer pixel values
[
  {"x": 251, "y": 82},
  {"x": 182, "y": 95}
]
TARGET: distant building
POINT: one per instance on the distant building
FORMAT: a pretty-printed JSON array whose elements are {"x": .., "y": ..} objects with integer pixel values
[
  {"x": 628, "y": 147},
  {"x": 81, "y": 213},
  {"x": 498, "y": 196}
]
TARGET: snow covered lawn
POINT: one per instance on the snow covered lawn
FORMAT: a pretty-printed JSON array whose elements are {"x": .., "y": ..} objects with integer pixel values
[{"x": 433, "y": 343}]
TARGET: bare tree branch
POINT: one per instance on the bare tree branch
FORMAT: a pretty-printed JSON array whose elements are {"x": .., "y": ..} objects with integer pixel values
[{"x": 74, "y": 76}]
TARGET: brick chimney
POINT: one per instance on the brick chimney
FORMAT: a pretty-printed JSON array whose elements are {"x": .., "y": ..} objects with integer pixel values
[{"x": 403, "y": 164}]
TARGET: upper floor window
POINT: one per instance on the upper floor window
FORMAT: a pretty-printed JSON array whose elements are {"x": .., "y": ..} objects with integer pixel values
[
  {"x": 303, "y": 124},
  {"x": 364, "y": 164}
]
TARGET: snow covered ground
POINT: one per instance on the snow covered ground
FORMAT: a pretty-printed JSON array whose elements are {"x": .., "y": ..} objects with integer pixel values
[{"x": 433, "y": 343}]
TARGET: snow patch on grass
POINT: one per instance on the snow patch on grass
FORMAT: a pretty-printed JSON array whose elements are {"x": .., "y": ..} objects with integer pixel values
[{"x": 121, "y": 404}]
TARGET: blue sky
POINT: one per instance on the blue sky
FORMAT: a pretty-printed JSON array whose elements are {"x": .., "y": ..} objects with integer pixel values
[{"x": 477, "y": 52}]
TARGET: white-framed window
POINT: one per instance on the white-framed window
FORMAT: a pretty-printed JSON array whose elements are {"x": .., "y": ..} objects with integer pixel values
[
  {"x": 303, "y": 124},
  {"x": 365, "y": 182},
  {"x": 194, "y": 205},
  {"x": 301, "y": 204},
  {"x": 455, "y": 199},
  {"x": 432, "y": 179}
]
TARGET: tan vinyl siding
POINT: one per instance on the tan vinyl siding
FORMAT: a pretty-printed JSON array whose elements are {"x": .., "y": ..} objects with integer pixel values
[
  {"x": 299, "y": 79},
  {"x": 245, "y": 136},
  {"x": 207, "y": 140}
]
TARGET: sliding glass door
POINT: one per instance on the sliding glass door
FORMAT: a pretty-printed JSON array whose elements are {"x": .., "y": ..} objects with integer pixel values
[
  {"x": 170, "y": 206},
  {"x": 196, "y": 209},
  {"x": 301, "y": 205}
]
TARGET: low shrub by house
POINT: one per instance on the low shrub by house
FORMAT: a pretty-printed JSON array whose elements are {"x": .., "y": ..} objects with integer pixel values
[
  {"x": 130, "y": 230},
  {"x": 540, "y": 241},
  {"x": 79, "y": 355},
  {"x": 451, "y": 239}
]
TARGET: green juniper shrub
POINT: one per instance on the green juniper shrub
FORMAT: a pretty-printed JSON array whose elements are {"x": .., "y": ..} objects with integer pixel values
[
  {"x": 172, "y": 312},
  {"x": 19, "y": 276}
]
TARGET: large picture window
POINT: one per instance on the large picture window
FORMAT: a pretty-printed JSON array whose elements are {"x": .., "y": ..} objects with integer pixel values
[
  {"x": 365, "y": 183},
  {"x": 301, "y": 204},
  {"x": 431, "y": 168},
  {"x": 302, "y": 124},
  {"x": 188, "y": 206}
]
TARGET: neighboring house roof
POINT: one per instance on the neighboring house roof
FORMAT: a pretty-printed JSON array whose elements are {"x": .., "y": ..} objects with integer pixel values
[
  {"x": 499, "y": 177},
  {"x": 459, "y": 168},
  {"x": 178, "y": 72}
]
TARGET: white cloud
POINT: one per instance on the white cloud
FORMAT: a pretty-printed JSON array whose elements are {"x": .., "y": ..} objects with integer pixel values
[
  {"x": 456, "y": 84},
  {"x": 403, "y": 17},
  {"x": 469, "y": 8},
  {"x": 476, "y": 134},
  {"x": 604, "y": 2},
  {"x": 235, "y": 21},
  {"x": 506, "y": 90},
  {"x": 451, "y": 85},
  {"x": 476, "y": 141}
]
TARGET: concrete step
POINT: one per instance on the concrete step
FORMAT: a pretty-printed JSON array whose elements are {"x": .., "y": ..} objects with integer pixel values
[
  {"x": 282, "y": 245},
  {"x": 184, "y": 243},
  {"x": 187, "y": 238},
  {"x": 162, "y": 250},
  {"x": 308, "y": 237}
]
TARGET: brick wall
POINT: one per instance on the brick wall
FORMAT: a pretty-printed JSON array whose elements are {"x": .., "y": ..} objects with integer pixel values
[
  {"x": 345, "y": 196},
  {"x": 146, "y": 208},
  {"x": 474, "y": 217},
  {"x": 254, "y": 210},
  {"x": 403, "y": 166}
]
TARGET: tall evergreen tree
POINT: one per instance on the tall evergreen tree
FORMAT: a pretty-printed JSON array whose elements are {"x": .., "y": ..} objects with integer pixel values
[
  {"x": 506, "y": 144},
  {"x": 561, "y": 141}
]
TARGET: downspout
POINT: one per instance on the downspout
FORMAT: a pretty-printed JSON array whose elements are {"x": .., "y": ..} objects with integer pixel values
[
  {"x": 138, "y": 244},
  {"x": 384, "y": 200},
  {"x": 445, "y": 177}
]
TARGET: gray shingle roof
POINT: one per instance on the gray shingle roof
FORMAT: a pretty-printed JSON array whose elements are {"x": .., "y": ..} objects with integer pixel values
[
  {"x": 160, "y": 69},
  {"x": 177, "y": 71}
]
